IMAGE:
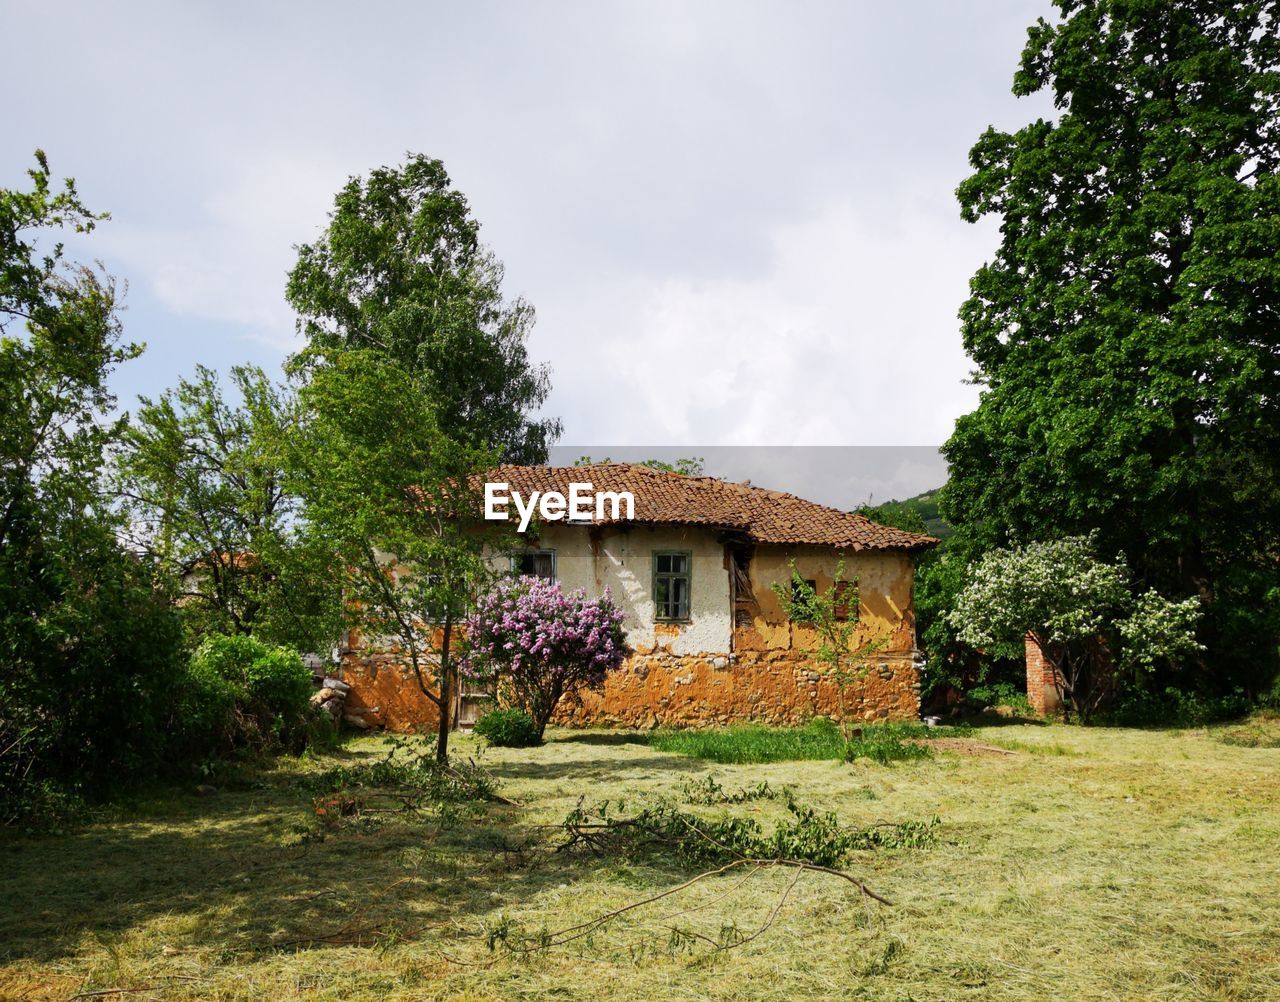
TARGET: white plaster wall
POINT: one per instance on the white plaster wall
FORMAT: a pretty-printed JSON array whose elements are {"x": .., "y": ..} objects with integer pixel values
[{"x": 623, "y": 561}]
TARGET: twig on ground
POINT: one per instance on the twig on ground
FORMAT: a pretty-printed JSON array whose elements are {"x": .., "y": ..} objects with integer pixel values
[{"x": 569, "y": 934}]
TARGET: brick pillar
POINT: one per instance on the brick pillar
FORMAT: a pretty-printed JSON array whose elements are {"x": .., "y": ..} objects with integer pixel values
[{"x": 1042, "y": 688}]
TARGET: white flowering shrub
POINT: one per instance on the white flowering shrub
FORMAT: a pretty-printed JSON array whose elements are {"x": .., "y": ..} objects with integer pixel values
[
  {"x": 1159, "y": 630},
  {"x": 1080, "y": 610}
]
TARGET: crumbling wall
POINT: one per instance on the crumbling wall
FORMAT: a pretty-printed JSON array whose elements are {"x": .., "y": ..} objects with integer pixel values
[
  {"x": 661, "y": 689},
  {"x": 764, "y": 671}
]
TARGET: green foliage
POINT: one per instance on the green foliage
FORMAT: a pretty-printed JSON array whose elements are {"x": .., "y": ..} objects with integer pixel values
[
  {"x": 833, "y": 615},
  {"x": 203, "y": 484},
  {"x": 90, "y": 647},
  {"x": 400, "y": 270},
  {"x": 1138, "y": 707},
  {"x": 818, "y": 739},
  {"x": 88, "y": 705},
  {"x": 269, "y": 689},
  {"x": 509, "y": 728},
  {"x": 1124, "y": 329},
  {"x": 708, "y": 790},
  {"x": 1079, "y": 608},
  {"x": 396, "y": 501},
  {"x": 408, "y": 765},
  {"x": 750, "y": 744},
  {"x": 278, "y": 681},
  {"x": 206, "y": 709},
  {"x": 899, "y": 514},
  {"x": 808, "y": 835},
  {"x": 922, "y": 513},
  {"x": 685, "y": 466},
  {"x": 883, "y": 745},
  {"x": 1001, "y": 693}
]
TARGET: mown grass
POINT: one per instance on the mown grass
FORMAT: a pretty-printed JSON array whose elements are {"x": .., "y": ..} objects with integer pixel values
[
  {"x": 1260, "y": 730},
  {"x": 819, "y": 739},
  {"x": 1145, "y": 864}
]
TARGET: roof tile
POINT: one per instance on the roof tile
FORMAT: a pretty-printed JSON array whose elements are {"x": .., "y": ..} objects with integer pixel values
[{"x": 764, "y": 516}]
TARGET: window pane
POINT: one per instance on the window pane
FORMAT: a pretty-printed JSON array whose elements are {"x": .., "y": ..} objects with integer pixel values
[
  {"x": 540, "y": 564},
  {"x": 671, "y": 585},
  {"x": 679, "y": 598}
]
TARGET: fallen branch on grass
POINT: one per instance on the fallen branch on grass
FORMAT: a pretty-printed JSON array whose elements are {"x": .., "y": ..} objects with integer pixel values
[
  {"x": 810, "y": 843},
  {"x": 506, "y": 935}
]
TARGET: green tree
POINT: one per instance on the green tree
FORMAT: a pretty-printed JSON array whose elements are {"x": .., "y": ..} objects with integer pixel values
[
  {"x": 400, "y": 270},
  {"x": 204, "y": 488},
  {"x": 1081, "y": 612},
  {"x": 1125, "y": 332},
  {"x": 90, "y": 648},
  {"x": 833, "y": 615},
  {"x": 899, "y": 514},
  {"x": 399, "y": 502}
]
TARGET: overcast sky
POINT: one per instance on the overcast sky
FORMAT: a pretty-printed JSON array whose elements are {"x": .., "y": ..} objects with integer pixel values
[{"x": 736, "y": 220}]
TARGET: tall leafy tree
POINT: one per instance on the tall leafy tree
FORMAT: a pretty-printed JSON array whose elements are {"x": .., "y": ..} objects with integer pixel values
[
  {"x": 89, "y": 647},
  {"x": 202, "y": 479},
  {"x": 400, "y": 270},
  {"x": 398, "y": 501},
  {"x": 1126, "y": 332}
]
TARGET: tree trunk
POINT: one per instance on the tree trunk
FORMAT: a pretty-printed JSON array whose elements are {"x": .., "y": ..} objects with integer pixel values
[
  {"x": 446, "y": 693},
  {"x": 543, "y": 712}
]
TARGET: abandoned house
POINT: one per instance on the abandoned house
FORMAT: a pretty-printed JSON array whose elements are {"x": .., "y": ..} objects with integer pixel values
[{"x": 692, "y": 569}]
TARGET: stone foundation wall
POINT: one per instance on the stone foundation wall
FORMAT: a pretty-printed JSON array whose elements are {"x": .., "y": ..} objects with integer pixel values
[
  {"x": 771, "y": 687},
  {"x": 385, "y": 693},
  {"x": 661, "y": 689}
]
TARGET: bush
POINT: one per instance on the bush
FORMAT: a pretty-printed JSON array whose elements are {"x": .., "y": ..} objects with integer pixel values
[
  {"x": 205, "y": 710},
  {"x": 92, "y": 672},
  {"x": 1175, "y": 708},
  {"x": 278, "y": 682},
  {"x": 1001, "y": 693},
  {"x": 536, "y": 643},
  {"x": 269, "y": 689},
  {"x": 508, "y": 729}
]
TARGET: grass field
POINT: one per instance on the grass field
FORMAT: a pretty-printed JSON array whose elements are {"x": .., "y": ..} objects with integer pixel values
[
  {"x": 820, "y": 739},
  {"x": 1070, "y": 863}
]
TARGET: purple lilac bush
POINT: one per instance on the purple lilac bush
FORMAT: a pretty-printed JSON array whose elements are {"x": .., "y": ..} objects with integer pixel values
[{"x": 537, "y": 643}]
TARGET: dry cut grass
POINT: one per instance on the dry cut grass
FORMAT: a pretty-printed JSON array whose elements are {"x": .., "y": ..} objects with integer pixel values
[{"x": 1085, "y": 864}]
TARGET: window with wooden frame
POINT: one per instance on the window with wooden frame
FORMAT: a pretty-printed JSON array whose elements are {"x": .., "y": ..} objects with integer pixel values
[
  {"x": 672, "y": 585},
  {"x": 534, "y": 563},
  {"x": 846, "y": 595}
]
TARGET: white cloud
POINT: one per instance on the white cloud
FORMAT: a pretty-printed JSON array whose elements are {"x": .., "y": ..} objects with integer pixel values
[
  {"x": 229, "y": 262},
  {"x": 734, "y": 218},
  {"x": 849, "y": 338}
]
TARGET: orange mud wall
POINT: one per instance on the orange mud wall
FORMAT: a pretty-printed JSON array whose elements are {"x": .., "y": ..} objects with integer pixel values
[{"x": 769, "y": 673}]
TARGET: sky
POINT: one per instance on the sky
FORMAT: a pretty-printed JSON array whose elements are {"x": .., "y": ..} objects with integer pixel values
[{"x": 736, "y": 220}]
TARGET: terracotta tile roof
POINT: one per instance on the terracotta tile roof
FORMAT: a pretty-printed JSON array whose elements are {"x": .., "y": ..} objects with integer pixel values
[{"x": 763, "y": 516}]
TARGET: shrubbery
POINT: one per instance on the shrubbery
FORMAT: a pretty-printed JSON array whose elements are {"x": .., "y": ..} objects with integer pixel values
[
  {"x": 1083, "y": 612},
  {"x": 1175, "y": 708},
  {"x": 242, "y": 692},
  {"x": 537, "y": 643},
  {"x": 510, "y": 728},
  {"x": 92, "y": 672}
]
